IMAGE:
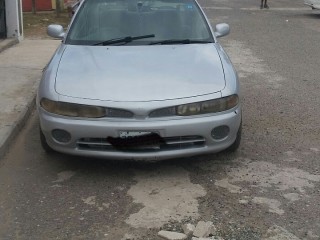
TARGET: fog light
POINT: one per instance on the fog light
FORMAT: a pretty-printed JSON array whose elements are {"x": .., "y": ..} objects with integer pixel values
[
  {"x": 220, "y": 132},
  {"x": 61, "y": 135}
]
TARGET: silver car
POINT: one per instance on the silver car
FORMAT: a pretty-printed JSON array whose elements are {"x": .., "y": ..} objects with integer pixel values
[{"x": 141, "y": 80}]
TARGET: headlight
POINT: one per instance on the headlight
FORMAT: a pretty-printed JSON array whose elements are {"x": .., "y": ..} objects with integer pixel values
[
  {"x": 72, "y": 109},
  {"x": 211, "y": 106}
]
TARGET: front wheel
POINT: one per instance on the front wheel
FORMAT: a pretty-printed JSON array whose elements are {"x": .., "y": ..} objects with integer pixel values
[
  {"x": 235, "y": 145},
  {"x": 44, "y": 143}
]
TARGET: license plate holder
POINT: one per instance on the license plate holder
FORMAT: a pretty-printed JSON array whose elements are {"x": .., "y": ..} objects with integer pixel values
[
  {"x": 136, "y": 140},
  {"x": 129, "y": 134}
]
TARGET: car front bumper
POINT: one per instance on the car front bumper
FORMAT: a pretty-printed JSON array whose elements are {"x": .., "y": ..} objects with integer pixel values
[{"x": 185, "y": 136}]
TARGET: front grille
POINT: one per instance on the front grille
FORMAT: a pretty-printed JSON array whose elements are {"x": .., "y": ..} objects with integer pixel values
[{"x": 167, "y": 144}]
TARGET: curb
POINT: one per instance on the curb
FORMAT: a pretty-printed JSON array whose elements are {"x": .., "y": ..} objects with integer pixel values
[
  {"x": 17, "y": 125},
  {"x": 23, "y": 116},
  {"x": 7, "y": 43},
  {"x": 23, "y": 109}
]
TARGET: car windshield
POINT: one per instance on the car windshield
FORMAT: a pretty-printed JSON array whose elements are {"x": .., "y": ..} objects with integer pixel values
[{"x": 107, "y": 22}]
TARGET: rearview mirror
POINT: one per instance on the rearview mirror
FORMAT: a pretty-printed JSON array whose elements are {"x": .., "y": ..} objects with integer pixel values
[
  {"x": 222, "y": 29},
  {"x": 55, "y": 31}
]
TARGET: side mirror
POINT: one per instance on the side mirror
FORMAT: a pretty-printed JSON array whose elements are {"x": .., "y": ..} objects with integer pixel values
[
  {"x": 55, "y": 31},
  {"x": 222, "y": 29}
]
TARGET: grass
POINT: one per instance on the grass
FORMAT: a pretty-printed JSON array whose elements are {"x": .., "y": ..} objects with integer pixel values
[{"x": 35, "y": 25}]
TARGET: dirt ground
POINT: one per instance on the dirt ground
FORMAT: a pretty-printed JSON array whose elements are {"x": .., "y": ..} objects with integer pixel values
[{"x": 35, "y": 25}]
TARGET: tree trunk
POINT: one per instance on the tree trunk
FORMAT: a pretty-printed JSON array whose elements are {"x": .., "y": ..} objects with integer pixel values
[
  {"x": 34, "y": 10},
  {"x": 58, "y": 7}
]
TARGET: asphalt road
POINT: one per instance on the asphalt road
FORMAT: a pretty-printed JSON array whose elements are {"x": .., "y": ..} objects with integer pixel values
[{"x": 269, "y": 189}]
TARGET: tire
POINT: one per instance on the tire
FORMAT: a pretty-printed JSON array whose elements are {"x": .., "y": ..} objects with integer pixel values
[
  {"x": 235, "y": 145},
  {"x": 44, "y": 143}
]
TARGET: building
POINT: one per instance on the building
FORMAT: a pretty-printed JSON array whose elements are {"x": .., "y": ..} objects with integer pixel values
[
  {"x": 11, "y": 21},
  {"x": 41, "y": 5},
  {"x": 45, "y": 5}
]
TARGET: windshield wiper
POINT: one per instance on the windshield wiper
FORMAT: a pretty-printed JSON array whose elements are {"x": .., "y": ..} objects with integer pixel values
[
  {"x": 178, "y": 41},
  {"x": 123, "y": 40}
]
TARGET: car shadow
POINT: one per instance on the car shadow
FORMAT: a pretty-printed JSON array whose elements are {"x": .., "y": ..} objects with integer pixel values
[
  {"x": 98, "y": 164},
  {"x": 315, "y": 15}
]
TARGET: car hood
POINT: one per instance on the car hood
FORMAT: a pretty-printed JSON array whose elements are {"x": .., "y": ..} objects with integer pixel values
[{"x": 139, "y": 73}]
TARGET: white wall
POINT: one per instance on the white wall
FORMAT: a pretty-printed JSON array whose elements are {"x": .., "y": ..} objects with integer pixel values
[{"x": 14, "y": 19}]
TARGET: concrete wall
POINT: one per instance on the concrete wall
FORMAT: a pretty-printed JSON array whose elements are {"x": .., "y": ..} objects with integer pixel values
[{"x": 14, "y": 19}]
